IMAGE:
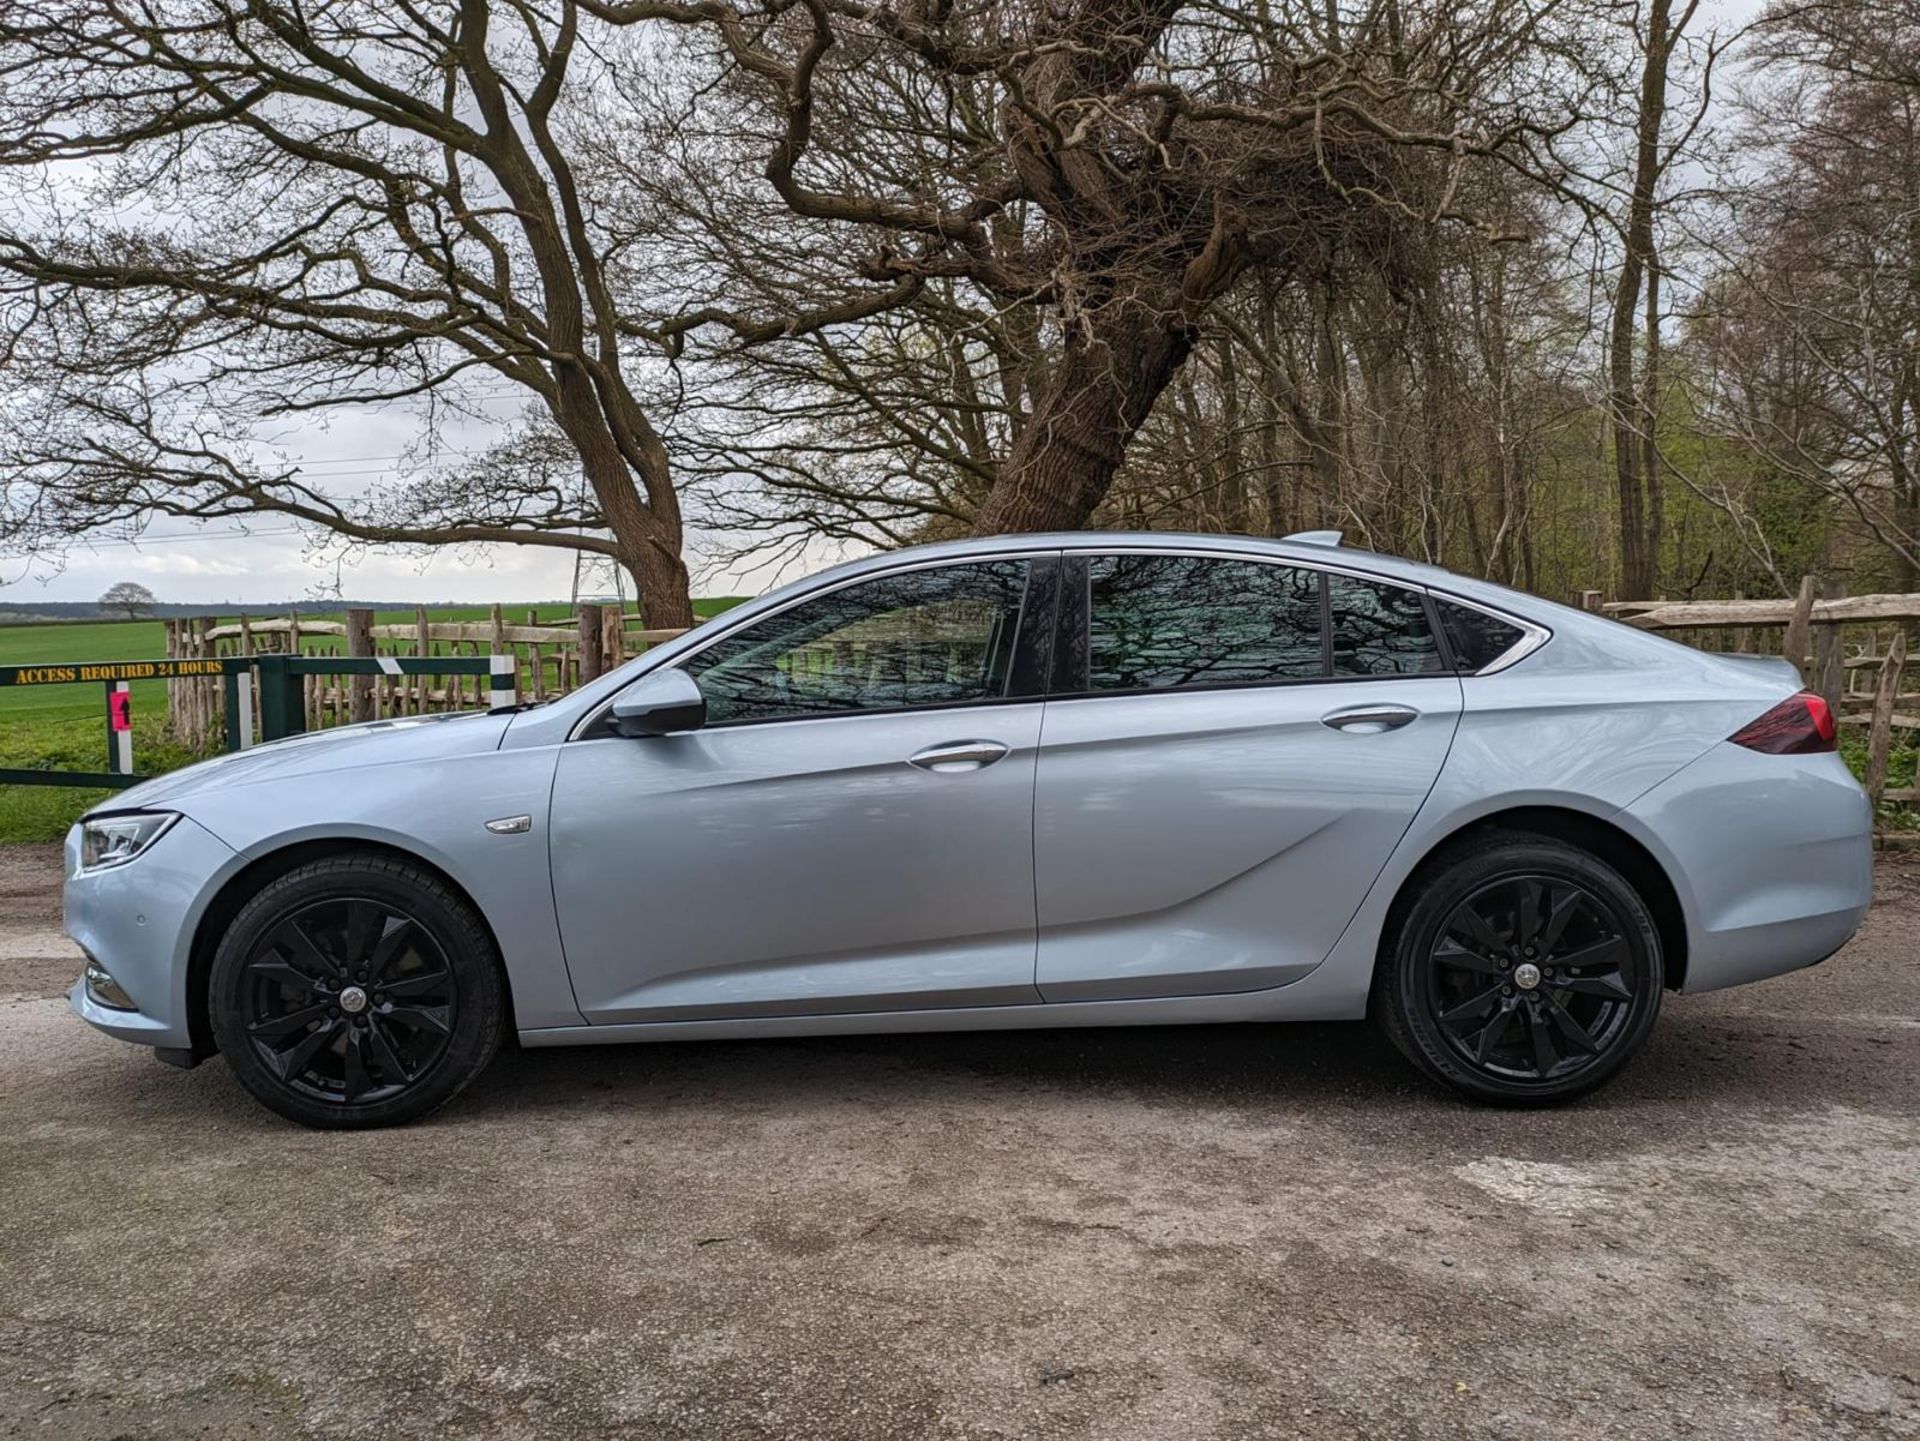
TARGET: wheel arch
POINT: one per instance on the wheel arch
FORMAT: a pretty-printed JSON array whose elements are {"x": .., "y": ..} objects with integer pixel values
[
  {"x": 263, "y": 870},
  {"x": 1602, "y": 838}
]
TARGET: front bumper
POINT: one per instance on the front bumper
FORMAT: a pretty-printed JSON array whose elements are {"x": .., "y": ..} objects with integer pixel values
[
  {"x": 1772, "y": 856},
  {"x": 137, "y": 920}
]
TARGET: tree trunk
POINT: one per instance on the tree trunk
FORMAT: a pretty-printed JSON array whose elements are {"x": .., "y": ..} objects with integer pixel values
[
  {"x": 663, "y": 586},
  {"x": 1631, "y": 409},
  {"x": 1236, "y": 505},
  {"x": 646, "y": 531},
  {"x": 1096, "y": 398}
]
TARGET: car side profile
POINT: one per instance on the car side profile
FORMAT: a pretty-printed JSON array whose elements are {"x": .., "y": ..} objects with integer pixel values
[{"x": 1027, "y": 781}]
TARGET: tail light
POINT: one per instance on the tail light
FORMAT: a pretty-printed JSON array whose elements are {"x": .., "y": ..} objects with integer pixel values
[{"x": 1802, "y": 724}]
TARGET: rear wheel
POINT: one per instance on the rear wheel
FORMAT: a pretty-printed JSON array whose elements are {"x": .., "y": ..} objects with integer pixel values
[
  {"x": 1525, "y": 971},
  {"x": 356, "y": 991}
]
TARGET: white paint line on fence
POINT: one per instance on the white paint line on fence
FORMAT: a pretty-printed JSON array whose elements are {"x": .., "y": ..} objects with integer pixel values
[
  {"x": 388, "y": 665},
  {"x": 244, "y": 695}
]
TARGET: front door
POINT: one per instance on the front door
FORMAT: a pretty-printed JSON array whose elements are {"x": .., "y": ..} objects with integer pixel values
[
  {"x": 1225, "y": 778},
  {"x": 851, "y": 831}
]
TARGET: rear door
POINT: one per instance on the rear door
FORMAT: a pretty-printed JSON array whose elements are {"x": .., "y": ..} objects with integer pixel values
[{"x": 1235, "y": 747}]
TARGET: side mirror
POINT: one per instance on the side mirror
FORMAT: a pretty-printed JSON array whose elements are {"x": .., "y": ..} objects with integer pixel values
[{"x": 660, "y": 704}]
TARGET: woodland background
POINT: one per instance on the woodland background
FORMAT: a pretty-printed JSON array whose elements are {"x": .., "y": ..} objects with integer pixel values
[{"x": 1572, "y": 294}]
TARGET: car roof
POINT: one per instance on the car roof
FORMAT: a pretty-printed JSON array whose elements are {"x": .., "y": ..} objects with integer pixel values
[{"x": 1304, "y": 552}]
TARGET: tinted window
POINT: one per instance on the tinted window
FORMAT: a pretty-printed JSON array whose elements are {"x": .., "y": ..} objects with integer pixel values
[
  {"x": 1379, "y": 629},
  {"x": 922, "y": 637},
  {"x": 1159, "y": 621},
  {"x": 1476, "y": 639}
]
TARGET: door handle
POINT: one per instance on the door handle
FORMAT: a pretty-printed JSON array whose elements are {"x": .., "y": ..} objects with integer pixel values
[
  {"x": 1370, "y": 720},
  {"x": 958, "y": 756}
]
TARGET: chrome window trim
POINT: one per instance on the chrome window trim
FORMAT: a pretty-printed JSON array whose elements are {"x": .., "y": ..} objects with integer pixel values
[
  {"x": 1209, "y": 553},
  {"x": 1534, "y": 635}
]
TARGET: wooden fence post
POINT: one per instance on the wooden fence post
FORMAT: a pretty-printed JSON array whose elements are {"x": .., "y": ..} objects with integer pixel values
[
  {"x": 1797, "y": 645},
  {"x": 204, "y": 699},
  {"x": 613, "y": 648},
  {"x": 1880, "y": 733},
  {"x": 591, "y": 629},
  {"x": 360, "y": 642},
  {"x": 416, "y": 686},
  {"x": 1590, "y": 600},
  {"x": 172, "y": 630},
  {"x": 1828, "y": 654},
  {"x": 538, "y": 656}
]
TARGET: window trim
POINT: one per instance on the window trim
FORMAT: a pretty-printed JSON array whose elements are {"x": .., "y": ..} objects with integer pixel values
[
  {"x": 1533, "y": 634},
  {"x": 1030, "y": 628},
  {"x": 1070, "y": 631},
  {"x": 1077, "y": 630}
]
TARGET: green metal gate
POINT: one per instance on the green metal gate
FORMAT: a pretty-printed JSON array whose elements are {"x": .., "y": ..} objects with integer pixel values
[{"x": 279, "y": 678}]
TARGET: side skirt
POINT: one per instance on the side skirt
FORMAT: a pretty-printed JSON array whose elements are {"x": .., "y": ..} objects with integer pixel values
[{"x": 1301, "y": 1001}]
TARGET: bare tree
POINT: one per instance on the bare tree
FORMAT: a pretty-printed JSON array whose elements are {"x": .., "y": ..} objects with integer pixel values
[
  {"x": 1807, "y": 350},
  {"x": 1085, "y": 182},
  {"x": 228, "y": 216},
  {"x": 1633, "y": 401}
]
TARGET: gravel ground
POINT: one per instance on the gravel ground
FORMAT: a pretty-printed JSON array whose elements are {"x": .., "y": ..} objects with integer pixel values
[{"x": 1230, "y": 1232}]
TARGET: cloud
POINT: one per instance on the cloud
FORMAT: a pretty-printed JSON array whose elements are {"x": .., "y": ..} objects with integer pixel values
[{"x": 176, "y": 563}]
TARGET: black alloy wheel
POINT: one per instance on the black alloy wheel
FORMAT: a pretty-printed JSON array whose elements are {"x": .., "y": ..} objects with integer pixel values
[
  {"x": 1532, "y": 978},
  {"x": 350, "y": 1001},
  {"x": 1520, "y": 969},
  {"x": 357, "y": 990}
]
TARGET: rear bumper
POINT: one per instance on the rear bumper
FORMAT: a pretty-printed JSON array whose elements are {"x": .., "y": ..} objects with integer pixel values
[
  {"x": 137, "y": 921},
  {"x": 1772, "y": 857}
]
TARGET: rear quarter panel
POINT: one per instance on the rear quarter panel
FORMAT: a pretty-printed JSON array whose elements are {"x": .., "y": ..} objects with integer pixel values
[
  {"x": 1592, "y": 721},
  {"x": 1772, "y": 857}
]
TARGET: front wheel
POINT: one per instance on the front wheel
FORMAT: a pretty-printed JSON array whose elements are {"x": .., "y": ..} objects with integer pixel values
[
  {"x": 1526, "y": 971},
  {"x": 356, "y": 991}
]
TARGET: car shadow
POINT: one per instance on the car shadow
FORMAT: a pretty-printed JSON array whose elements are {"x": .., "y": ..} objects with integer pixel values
[
  {"x": 1696, "y": 1059},
  {"x": 1258, "y": 1063}
]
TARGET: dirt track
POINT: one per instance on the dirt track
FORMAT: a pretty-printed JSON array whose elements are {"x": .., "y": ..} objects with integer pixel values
[{"x": 1229, "y": 1233}]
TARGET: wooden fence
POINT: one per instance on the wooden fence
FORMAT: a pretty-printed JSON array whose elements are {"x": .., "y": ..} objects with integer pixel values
[
  {"x": 1852, "y": 650},
  {"x": 550, "y": 660}
]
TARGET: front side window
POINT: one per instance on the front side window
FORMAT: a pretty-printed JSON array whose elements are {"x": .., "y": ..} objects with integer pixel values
[
  {"x": 1379, "y": 629},
  {"x": 1159, "y": 622},
  {"x": 939, "y": 636}
]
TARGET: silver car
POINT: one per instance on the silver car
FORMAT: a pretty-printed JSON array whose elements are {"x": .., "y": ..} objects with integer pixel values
[{"x": 1074, "y": 780}]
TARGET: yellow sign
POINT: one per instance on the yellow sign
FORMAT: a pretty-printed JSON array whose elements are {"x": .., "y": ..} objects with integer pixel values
[{"x": 106, "y": 671}]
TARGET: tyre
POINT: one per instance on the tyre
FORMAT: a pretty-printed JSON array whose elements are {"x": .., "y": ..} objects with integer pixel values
[
  {"x": 1524, "y": 971},
  {"x": 356, "y": 991}
]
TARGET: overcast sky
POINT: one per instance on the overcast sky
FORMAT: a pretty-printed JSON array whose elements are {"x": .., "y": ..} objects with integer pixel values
[{"x": 271, "y": 559}]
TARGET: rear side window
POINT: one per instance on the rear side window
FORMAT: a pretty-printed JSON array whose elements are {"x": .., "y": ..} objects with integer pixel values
[
  {"x": 1476, "y": 639},
  {"x": 1160, "y": 622},
  {"x": 1379, "y": 629}
]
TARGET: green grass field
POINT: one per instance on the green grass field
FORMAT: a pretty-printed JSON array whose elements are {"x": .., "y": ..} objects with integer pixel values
[{"x": 63, "y": 727}]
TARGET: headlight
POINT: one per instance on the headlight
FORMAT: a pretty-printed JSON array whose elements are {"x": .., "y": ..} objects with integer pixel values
[{"x": 114, "y": 840}]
